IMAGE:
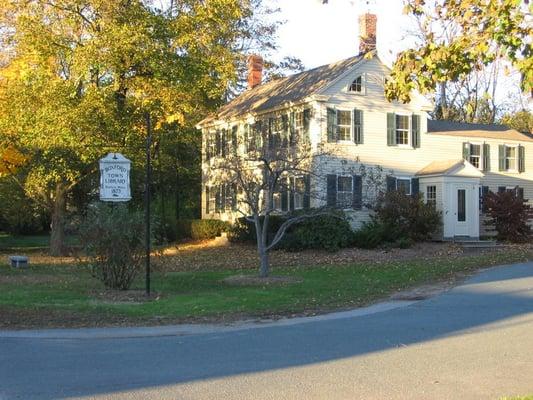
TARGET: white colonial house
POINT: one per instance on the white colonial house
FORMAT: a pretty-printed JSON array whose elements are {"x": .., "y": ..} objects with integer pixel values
[{"x": 341, "y": 108}]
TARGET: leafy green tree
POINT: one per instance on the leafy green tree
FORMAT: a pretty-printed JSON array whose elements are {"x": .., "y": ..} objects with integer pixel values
[
  {"x": 472, "y": 34},
  {"x": 78, "y": 76},
  {"x": 522, "y": 121}
]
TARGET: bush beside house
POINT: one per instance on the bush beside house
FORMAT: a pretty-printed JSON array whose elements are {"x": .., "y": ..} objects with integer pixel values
[{"x": 508, "y": 214}]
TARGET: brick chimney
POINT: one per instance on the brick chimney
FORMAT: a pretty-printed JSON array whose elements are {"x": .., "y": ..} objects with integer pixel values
[
  {"x": 255, "y": 70},
  {"x": 367, "y": 32}
]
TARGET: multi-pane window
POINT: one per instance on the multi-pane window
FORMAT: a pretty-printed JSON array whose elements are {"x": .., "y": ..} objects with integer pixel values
[
  {"x": 344, "y": 191},
  {"x": 299, "y": 190},
  {"x": 344, "y": 125},
  {"x": 475, "y": 155},
  {"x": 403, "y": 184},
  {"x": 510, "y": 158},
  {"x": 276, "y": 201},
  {"x": 431, "y": 195},
  {"x": 357, "y": 85},
  {"x": 299, "y": 126},
  {"x": 211, "y": 198},
  {"x": 402, "y": 129}
]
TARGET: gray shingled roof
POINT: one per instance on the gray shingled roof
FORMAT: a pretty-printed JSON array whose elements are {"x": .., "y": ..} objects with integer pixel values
[
  {"x": 292, "y": 88},
  {"x": 448, "y": 126},
  {"x": 491, "y": 131}
]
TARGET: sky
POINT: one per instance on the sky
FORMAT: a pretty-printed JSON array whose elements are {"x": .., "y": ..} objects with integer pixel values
[
  {"x": 321, "y": 34},
  {"x": 324, "y": 33}
]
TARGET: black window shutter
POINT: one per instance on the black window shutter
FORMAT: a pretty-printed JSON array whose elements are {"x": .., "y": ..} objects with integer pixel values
[
  {"x": 292, "y": 188},
  {"x": 332, "y": 191},
  {"x": 234, "y": 139},
  {"x": 271, "y": 138},
  {"x": 484, "y": 193},
  {"x": 218, "y": 142},
  {"x": 292, "y": 129},
  {"x": 466, "y": 151},
  {"x": 332, "y": 125},
  {"x": 234, "y": 197},
  {"x": 391, "y": 129},
  {"x": 415, "y": 131},
  {"x": 486, "y": 157},
  {"x": 358, "y": 126},
  {"x": 415, "y": 186},
  {"x": 357, "y": 199},
  {"x": 501, "y": 157},
  {"x": 207, "y": 199},
  {"x": 521, "y": 159},
  {"x": 520, "y": 192},
  {"x": 285, "y": 130},
  {"x": 391, "y": 183},
  {"x": 307, "y": 120},
  {"x": 218, "y": 199},
  {"x": 284, "y": 196},
  {"x": 224, "y": 142},
  {"x": 307, "y": 193}
]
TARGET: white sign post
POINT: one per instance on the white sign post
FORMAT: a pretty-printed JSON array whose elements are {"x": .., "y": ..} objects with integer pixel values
[{"x": 115, "y": 178}]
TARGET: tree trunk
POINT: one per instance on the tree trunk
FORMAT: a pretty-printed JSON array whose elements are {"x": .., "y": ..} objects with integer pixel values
[
  {"x": 57, "y": 231},
  {"x": 264, "y": 269}
]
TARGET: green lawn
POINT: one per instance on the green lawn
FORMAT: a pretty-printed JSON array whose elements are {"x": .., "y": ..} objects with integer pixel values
[
  {"x": 185, "y": 295},
  {"x": 27, "y": 242}
]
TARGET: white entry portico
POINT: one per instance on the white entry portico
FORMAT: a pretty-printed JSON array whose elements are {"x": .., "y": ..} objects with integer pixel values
[{"x": 454, "y": 186}]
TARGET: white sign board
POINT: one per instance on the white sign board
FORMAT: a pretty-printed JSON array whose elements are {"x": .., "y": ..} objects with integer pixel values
[{"x": 115, "y": 178}]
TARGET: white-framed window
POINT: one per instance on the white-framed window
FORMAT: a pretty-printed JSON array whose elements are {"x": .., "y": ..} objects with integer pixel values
[
  {"x": 357, "y": 85},
  {"x": 403, "y": 184},
  {"x": 299, "y": 124},
  {"x": 431, "y": 195},
  {"x": 475, "y": 155},
  {"x": 344, "y": 125},
  {"x": 211, "y": 198},
  {"x": 344, "y": 191},
  {"x": 403, "y": 129},
  {"x": 510, "y": 158},
  {"x": 299, "y": 191},
  {"x": 276, "y": 201}
]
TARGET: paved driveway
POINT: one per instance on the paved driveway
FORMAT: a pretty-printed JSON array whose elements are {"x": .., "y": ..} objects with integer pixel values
[{"x": 473, "y": 342}]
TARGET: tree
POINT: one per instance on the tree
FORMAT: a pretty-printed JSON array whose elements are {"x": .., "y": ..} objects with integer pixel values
[
  {"x": 473, "y": 34},
  {"x": 76, "y": 78},
  {"x": 522, "y": 121},
  {"x": 263, "y": 174}
]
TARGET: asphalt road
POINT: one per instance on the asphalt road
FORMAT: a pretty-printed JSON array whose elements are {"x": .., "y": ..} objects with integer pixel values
[{"x": 473, "y": 342}]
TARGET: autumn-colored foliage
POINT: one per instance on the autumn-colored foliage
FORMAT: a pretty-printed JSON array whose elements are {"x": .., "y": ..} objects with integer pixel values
[{"x": 509, "y": 215}]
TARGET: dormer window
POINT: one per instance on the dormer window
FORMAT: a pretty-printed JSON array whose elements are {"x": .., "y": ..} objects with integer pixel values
[{"x": 357, "y": 85}]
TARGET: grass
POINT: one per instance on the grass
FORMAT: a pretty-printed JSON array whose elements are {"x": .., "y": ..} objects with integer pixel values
[
  {"x": 26, "y": 242},
  {"x": 193, "y": 295}
]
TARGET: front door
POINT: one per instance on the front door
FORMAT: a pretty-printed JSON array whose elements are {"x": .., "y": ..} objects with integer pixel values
[{"x": 463, "y": 213}]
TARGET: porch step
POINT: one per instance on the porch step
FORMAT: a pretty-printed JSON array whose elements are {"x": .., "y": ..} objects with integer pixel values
[{"x": 477, "y": 244}]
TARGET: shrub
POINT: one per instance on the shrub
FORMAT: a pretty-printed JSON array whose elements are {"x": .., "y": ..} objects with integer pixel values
[
  {"x": 208, "y": 228},
  {"x": 407, "y": 216},
  {"x": 509, "y": 215},
  {"x": 113, "y": 239},
  {"x": 199, "y": 229},
  {"x": 243, "y": 231},
  {"x": 371, "y": 235},
  {"x": 327, "y": 232}
]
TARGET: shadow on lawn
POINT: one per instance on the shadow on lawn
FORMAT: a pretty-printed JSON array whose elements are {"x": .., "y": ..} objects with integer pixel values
[{"x": 65, "y": 368}]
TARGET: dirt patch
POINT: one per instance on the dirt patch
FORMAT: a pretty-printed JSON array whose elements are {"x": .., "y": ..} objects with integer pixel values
[
  {"x": 123, "y": 296},
  {"x": 247, "y": 280},
  {"x": 30, "y": 278}
]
